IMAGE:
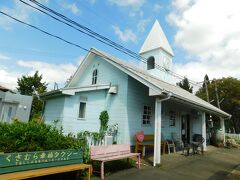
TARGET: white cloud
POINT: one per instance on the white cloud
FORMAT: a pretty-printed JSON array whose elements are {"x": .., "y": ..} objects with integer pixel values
[
  {"x": 126, "y": 35},
  {"x": 134, "y": 6},
  {"x": 209, "y": 31},
  {"x": 142, "y": 24},
  {"x": 157, "y": 7},
  {"x": 4, "y": 57},
  {"x": 51, "y": 72},
  {"x": 71, "y": 7},
  {"x": 127, "y": 3},
  {"x": 19, "y": 11},
  {"x": 8, "y": 79}
]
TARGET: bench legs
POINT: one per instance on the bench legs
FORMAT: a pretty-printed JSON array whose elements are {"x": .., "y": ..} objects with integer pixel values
[
  {"x": 138, "y": 166},
  {"x": 89, "y": 173},
  {"x": 102, "y": 170},
  {"x": 102, "y": 166}
]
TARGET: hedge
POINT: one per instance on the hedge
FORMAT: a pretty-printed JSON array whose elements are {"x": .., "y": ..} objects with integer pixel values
[{"x": 35, "y": 136}]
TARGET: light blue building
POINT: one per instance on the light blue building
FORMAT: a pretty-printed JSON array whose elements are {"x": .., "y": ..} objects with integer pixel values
[{"x": 137, "y": 98}]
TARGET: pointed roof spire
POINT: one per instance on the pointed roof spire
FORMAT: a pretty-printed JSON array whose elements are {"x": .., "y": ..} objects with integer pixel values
[{"x": 156, "y": 39}]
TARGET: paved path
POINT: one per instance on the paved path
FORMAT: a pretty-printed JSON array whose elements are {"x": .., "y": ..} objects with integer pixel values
[{"x": 217, "y": 163}]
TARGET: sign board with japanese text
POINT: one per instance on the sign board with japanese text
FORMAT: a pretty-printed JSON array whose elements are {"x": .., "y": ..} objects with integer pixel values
[{"x": 11, "y": 162}]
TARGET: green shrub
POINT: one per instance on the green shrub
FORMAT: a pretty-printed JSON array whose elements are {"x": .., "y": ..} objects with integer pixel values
[
  {"x": 36, "y": 136},
  {"x": 103, "y": 121}
]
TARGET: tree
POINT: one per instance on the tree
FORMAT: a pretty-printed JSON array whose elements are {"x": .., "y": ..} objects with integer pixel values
[
  {"x": 202, "y": 92},
  {"x": 32, "y": 86},
  {"x": 205, "y": 81},
  {"x": 184, "y": 84},
  {"x": 229, "y": 96}
]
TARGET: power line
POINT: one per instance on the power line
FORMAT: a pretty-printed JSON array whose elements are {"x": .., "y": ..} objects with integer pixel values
[
  {"x": 100, "y": 38},
  {"x": 52, "y": 35},
  {"x": 82, "y": 29},
  {"x": 55, "y": 36},
  {"x": 43, "y": 31}
]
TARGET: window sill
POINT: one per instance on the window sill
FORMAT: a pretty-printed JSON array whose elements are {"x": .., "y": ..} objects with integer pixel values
[
  {"x": 81, "y": 119},
  {"x": 146, "y": 125}
]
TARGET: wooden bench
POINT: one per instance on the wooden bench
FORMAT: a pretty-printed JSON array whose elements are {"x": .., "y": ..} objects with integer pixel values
[
  {"x": 25, "y": 165},
  {"x": 111, "y": 153},
  {"x": 148, "y": 142}
]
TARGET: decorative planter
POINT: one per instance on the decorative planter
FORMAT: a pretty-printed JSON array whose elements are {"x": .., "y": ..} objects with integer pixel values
[{"x": 218, "y": 138}]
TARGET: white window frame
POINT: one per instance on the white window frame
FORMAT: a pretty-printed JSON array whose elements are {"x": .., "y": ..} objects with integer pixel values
[
  {"x": 94, "y": 76},
  {"x": 147, "y": 115},
  {"x": 84, "y": 112}
]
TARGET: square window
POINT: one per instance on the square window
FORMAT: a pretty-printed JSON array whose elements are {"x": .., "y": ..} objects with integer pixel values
[
  {"x": 146, "y": 118},
  {"x": 172, "y": 118},
  {"x": 82, "y": 110}
]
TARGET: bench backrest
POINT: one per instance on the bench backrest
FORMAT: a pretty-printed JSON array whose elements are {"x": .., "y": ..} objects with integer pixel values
[
  {"x": 11, "y": 162},
  {"x": 110, "y": 150},
  {"x": 147, "y": 137}
]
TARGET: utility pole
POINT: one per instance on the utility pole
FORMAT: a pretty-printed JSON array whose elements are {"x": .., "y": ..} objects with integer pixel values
[
  {"x": 216, "y": 91},
  {"x": 206, "y": 88},
  {"x": 218, "y": 104}
]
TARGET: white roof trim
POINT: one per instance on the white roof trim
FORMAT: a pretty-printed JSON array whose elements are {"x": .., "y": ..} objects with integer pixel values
[
  {"x": 79, "y": 69},
  {"x": 72, "y": 91}
]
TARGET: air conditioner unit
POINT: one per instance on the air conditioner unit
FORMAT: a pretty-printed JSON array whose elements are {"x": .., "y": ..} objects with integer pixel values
[{"x": 113, "y": 90}]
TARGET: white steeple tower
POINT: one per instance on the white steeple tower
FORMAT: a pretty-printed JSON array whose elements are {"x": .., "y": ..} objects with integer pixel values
[{"x": 158, "y": 52}]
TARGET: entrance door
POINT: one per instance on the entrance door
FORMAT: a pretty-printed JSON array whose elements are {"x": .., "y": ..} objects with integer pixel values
[{"x": 185, "y": 128}]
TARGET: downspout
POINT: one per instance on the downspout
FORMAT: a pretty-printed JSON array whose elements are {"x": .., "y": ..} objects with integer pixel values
[{"x": 157, "y": 129}]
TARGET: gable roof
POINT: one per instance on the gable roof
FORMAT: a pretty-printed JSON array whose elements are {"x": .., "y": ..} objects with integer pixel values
[
  {"x": 156, "y": 39},
  {"x": 152, "y": 82}
]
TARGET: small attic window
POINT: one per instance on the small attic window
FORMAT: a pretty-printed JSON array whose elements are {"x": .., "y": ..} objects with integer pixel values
[
  {"x": 94, "y": 76},
  {"x": 150, "y": 63}
]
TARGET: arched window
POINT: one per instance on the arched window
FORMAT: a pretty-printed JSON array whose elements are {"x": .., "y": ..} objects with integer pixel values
[
  {"x": 150, "y": 63},
  {"x": 94, "y": 76}
]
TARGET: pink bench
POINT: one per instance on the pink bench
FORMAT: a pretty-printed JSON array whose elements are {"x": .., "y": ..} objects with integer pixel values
[{"x": 111, "y": 153}]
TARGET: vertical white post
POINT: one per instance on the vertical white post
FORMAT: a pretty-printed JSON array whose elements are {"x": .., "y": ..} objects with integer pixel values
[
  {"x": 223, "y": 128},
  {"x": 157, "y": 133},
  {"x": 204, "y": 130}
]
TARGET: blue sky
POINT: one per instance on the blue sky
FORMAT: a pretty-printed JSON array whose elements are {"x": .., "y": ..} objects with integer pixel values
[{"x": 203, "y": 41}]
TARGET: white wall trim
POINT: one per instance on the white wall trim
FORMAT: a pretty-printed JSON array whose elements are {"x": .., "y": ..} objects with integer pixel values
[
  {"x": 204, "y": 130},
  {"x": 157, "y": 133}
]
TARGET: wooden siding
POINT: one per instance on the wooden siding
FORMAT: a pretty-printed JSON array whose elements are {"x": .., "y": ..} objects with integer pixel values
[
  {"x": 95, "y": 103},
  {"x": 99, "y": 100},
  {"x": 54, "y": 110},
  {"x": 137, "y": 98}
]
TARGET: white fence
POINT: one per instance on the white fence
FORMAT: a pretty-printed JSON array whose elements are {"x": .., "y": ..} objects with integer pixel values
[
  {"x": 233, "y": 136},
  {"x": 107, "y": 140}
]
